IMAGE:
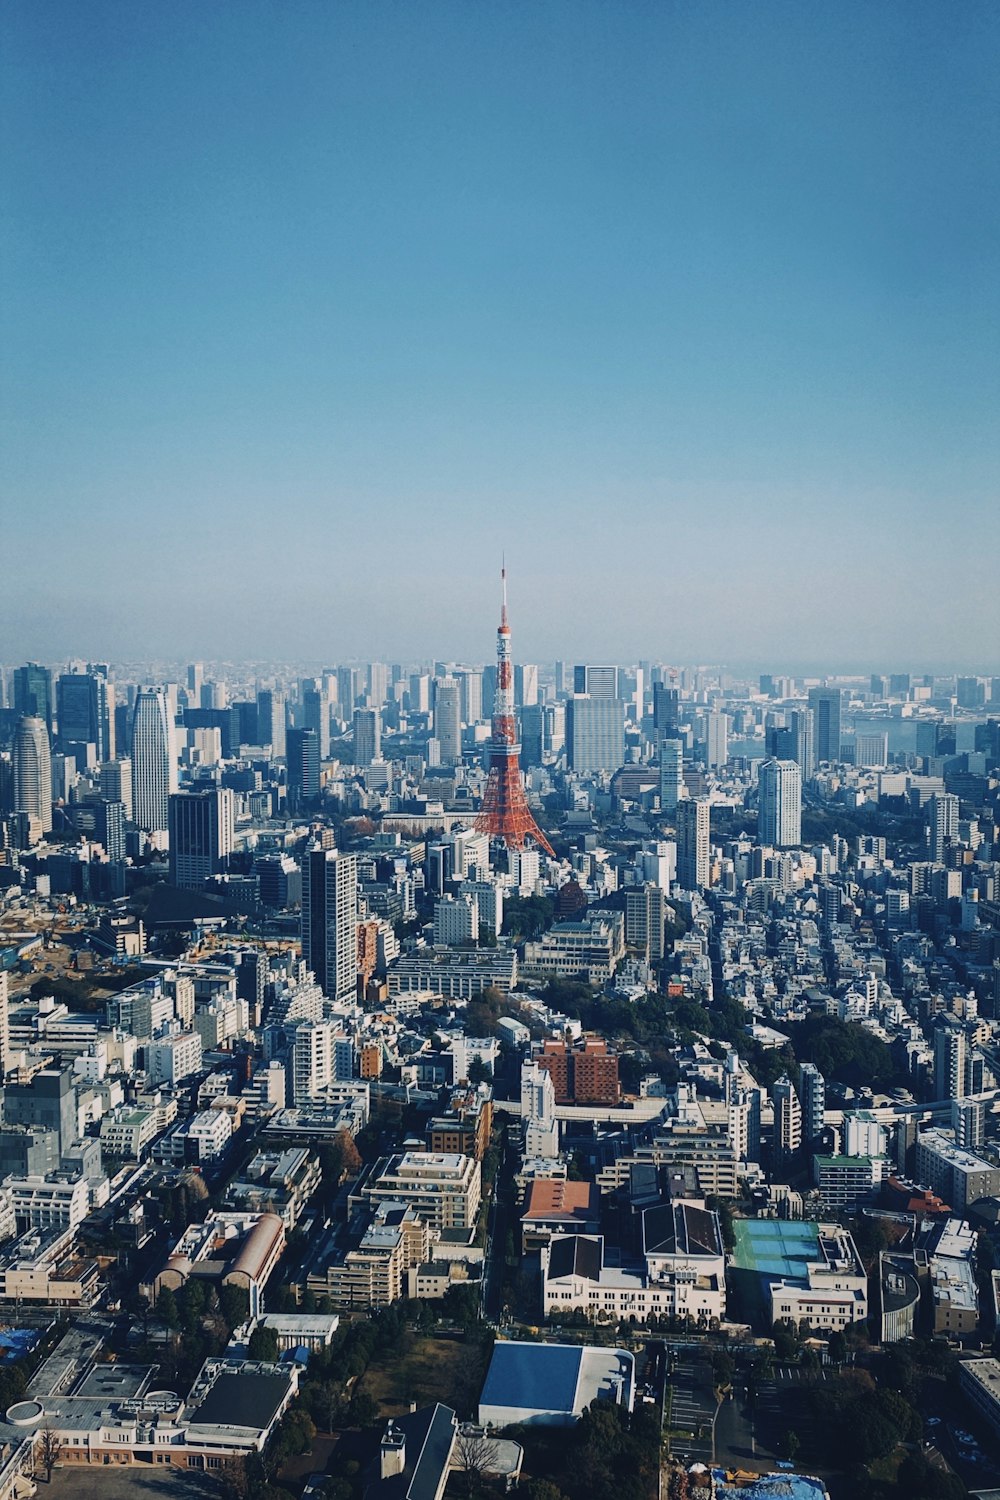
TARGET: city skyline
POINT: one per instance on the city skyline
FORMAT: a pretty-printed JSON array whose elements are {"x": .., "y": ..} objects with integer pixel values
[{"x": 693, "y": 311}]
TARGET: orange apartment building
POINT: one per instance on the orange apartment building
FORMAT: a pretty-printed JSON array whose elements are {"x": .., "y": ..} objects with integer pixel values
[{"x": 586, "y": 1073}]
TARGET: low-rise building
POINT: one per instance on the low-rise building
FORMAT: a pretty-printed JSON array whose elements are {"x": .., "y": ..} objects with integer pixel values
[
  {"x": 444, "y": 1188},
  {"x": 276, "y": 1182},
  {"x": 847, "y": 1183},
  {"x": 980, "y": 1380},
  {"x": 231, "y": 1249},
  {"x": 958, "y": 1175}
]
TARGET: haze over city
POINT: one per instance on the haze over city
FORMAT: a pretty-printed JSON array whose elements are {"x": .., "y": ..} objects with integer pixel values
[{"x": 311, "y": 312}]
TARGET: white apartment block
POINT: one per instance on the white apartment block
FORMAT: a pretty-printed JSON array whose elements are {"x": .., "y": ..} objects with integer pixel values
[
  {"x": 444, "y": 1188},
  {"x": 174, "y": 1058}
]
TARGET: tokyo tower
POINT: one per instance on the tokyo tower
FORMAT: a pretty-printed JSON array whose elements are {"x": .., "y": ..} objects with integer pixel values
[{"x": 505, "y": 812}]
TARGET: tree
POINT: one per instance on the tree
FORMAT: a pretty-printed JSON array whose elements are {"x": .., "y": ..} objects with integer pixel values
[
  {"x": 479, "y": 1071},
  {"x": 837, "y": 1347},
  {"x": 786, "y": 1339},
  {"x": 263, "y": 1344},
  {"x": 50, "y": 1450},
  {"x": 475, "y": 1455},
  {"x": 167, "y": 1310},
  {"x": 234, "y": 1305},
  {"x": 791, "y": 1444}
]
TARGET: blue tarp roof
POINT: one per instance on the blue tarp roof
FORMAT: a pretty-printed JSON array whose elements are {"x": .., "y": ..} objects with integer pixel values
[{"x": 539, "y": 1377}]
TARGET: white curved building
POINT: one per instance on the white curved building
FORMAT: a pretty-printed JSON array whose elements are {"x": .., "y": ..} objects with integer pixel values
[
  {"x": 32, "y": 769},
  {"x": 154, "y": 760}
]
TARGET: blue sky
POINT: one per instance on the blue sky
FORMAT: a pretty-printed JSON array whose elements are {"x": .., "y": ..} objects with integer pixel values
[{"x": 312, "y": 308}]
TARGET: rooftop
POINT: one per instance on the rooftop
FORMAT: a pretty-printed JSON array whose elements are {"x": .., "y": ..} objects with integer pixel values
[{"x": 553, "y": 1198}]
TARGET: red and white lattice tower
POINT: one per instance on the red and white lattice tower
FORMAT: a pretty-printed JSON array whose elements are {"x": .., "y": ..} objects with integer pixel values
[{"x": 505, "y": 812}]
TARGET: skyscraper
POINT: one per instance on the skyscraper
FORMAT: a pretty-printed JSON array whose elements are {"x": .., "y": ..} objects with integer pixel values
[
  {"x": 779, "y": 821},
  {"x": 598, "y": 682},
  {"x": 85, "y": 712},
  {"x": 302, "y": 768},
  {"x": 32, "y": 770},
  {"x": 525, "y": 685},
  {"x": 448, "y": 720},
  {"x": 671, "y": 772},
  {"x": 154, "y": 760},
  {"x": 595, "y": 732},
  {"x": 116, "y": 782},
  {"x": 693, "y": 844},
  {"x": 202, "y": 825},
  {"x": 367, "y": 736},
  {"x": 33, "y": 693},
  {"x": 329, "y": 920},
  {"x": 316, "y": 716},
  {"x": 942, "y": 814},
  {"x": 271, "y": 721},
  {"x": 666, "y": 708},
  {"x": 717, "y": 739},
  {"x": 826, "y": 707}
]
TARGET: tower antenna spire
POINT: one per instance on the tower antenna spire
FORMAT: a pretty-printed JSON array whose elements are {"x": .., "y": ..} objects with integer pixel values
[{"x": 505, "y": 813}]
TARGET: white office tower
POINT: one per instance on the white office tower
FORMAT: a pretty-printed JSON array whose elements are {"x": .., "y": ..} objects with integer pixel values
[
  {"x": 813, "y": 1090},
  {"x": 538, "y": 1112},
  {"x": 779, "y": 820},
  {"x": 595, "y": 733},
  {"x": 656, "y": 864},
  {"x": 693, "y": 844},
  {"x": 456, "y": 921},
  {"x": 448, "y": 721},
  {"x": 32, "y": 771},
  {"x": 525, "y": 868},
  {"x": 330, "y": 920},
  {"x": 154, "y": 760},
  {"x": 671, "y": 772},
  {"x": 743, "y": 1123},
  {"x": 717, "y": 739},
  {"x": 787, "y": 1120},
  {"x": 968, "y": 1122},
  {"x": 314, "y": 1058}
]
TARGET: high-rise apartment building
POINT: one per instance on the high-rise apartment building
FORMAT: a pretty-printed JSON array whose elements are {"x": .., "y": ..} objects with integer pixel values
[
  {"x": 367, "y": 735},
  {"x": 202, "y": 834},
  {"x": 595, "y": 732},
  {"x": 154, "y": 760},
  {"x": 787, "y": 1121},
  {"x": 813, "y": 1101},
  {"x": 779, "y": 819},
  {"x": 693, "y": 847},
  {"x": 942, "y": 815},
  {"x": 32, "y": 770},
  {"x": 950, "y": 1056},
  {"x": 826, "y": 704},
  {"x": 329, "y": 920}
]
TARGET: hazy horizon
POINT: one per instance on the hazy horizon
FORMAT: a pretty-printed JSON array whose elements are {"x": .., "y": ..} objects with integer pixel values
[{"x": 312, "y": 312}]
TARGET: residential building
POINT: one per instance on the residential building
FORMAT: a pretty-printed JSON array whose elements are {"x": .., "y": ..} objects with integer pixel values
[
  {"x": 329, "y": 920},
  {"x": 779, "y": 822},
  {"x": 693, "y": 846},
  {"x": 32, "y": 771},
  {"x": 957, "y": 1175},
  {"x": 583, "y": 1073},
  {"x": 445, "y": 1189}
]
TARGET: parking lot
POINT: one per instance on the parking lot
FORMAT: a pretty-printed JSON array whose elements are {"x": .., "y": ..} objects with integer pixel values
[{"x": 692, "y": 1408}]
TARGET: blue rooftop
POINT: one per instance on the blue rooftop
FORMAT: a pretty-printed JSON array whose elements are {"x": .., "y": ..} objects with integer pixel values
[{"x": 539, "y": 1376}]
